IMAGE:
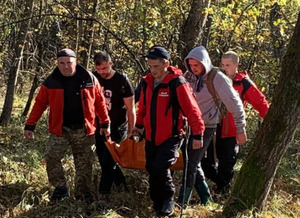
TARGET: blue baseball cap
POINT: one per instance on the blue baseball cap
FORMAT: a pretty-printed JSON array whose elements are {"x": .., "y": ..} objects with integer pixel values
[{"x": 156, "y": 52}]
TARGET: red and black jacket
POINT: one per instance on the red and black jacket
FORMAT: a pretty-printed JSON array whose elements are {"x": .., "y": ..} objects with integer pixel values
[
  {"x": 248, "y": 93},
  {"x": 162, "y": 112},
  {"x": 52, "y": 94}
]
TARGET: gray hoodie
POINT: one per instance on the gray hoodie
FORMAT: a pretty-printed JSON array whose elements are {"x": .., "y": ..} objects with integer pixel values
[{"x": 224, "y": 90}]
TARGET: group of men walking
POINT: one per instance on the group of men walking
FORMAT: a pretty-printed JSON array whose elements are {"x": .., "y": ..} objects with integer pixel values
[{"x": 86, "y": 107}]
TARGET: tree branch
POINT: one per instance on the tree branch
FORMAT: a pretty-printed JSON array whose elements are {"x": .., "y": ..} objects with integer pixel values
[{"x": 135, "y": 58}]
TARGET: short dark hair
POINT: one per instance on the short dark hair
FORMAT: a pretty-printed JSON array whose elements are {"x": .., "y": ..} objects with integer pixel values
[{"x": 100, "y": 57}]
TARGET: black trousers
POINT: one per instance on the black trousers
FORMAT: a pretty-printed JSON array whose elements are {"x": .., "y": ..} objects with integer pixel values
[
  {"x": 227, "y": 155},
  {"x": 158, "y": 161},
  {"x": 195, "y": 173},
  {"x": 111, "y": 172}
]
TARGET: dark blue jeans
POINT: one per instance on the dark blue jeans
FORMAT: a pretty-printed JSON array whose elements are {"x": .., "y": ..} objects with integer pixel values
[
  {"x": 195, "y": 173},
  {"x": 158, "y": 161}
]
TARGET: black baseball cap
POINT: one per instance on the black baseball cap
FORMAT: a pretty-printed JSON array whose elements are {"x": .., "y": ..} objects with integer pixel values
[
  {"x": 156, "y": 52},
  {"x": 66, "y": 52}
]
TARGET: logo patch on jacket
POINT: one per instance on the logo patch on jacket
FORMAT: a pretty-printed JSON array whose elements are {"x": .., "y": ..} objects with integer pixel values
[
  {"x": 89, "y": 85},
  {"x": 163, "y": 94}
]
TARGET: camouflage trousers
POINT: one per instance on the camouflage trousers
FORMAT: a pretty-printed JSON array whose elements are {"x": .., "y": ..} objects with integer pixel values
[{"x": 80, "y": 145}]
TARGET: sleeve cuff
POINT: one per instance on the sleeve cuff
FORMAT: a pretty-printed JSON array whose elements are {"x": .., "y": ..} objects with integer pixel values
[
  {"x": 104, "y": 125},
  {"x": 198, "y": 137},
  {"x": 241, "y": 130},
  {"x": 29, "y": 127},
  {"x": 139, "y": 126}
]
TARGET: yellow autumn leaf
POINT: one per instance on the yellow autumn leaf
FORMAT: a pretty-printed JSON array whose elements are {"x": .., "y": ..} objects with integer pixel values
[
  {"x": 282, "y": 2},
  {"x": 296, "y": 180},
  {"x": 4, "y": 159},
  {"x": 209, "y": 10}
]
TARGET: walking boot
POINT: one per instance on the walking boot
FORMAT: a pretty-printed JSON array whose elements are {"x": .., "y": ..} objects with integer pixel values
[
  {"x": 184, "y": 200},
  {"x": 203, "y": 192},
  {"x": 167, "y": 208},
  {"x": 59, "y": 193}
]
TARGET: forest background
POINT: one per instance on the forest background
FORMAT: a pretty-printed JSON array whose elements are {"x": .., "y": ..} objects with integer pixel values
[{"x": 32, "y": 32}]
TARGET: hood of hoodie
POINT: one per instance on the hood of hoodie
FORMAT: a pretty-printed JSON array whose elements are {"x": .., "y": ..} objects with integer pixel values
[{"x": 200, "y": 54}]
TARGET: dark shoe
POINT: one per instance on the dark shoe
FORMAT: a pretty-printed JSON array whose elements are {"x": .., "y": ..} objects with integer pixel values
[
  {"x": 203, "y": 192},
  {"x": 224, "y": 190},
  {"x": 157, "y": 206},
  {"x": 184, "y": 200},
  {"x": 167, "y": 208},
  {"x": 104, "y": 192},
  {"x": 59, "y": 193}
]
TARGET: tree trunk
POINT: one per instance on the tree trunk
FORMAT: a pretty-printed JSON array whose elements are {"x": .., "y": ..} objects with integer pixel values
[
  {"x": 252, "y": 186},
  {"x": 13, "y": 73},
  {"x": 40, "y": 54},
  {"x": 89, "y": 35},
  {"x": 192, "y": 29},
  {"x": 206, "y": 33},
  {"x": 34, "y": 86},
  {"x": 278, "y": 43}
]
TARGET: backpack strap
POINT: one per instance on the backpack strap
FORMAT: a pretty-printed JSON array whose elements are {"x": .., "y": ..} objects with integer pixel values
[
  {"x": 211, "y": 89},
  {"x": 210, "y": 84}
]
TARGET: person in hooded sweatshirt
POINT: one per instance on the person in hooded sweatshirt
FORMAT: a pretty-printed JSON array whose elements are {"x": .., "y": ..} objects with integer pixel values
[
  {"x": 165, "y": 98},
  {"x": 198, "y": 65}
]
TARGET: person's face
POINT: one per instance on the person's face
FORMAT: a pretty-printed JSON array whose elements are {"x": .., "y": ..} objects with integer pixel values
[
  {"x": 104, "y": 69},
  {"x": 66, "y": 65},
  {"x": 158, "y": 68},
  {"x": 229, "y": 66},
  {"x": 196, "y": 67}
]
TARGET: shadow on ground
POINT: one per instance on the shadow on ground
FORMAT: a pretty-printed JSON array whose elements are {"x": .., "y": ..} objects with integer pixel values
[{"x": 10, "y": 197}]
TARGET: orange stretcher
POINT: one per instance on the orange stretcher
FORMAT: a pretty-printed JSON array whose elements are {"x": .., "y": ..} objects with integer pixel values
[{"x": 131, "y": 154}]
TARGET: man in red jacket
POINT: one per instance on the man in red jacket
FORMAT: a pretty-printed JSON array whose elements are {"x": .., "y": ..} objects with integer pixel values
[
  {"x": 74, "y": 97},
  {"x": 165, "y": 97},
  {"x": 226, "y": 145}
]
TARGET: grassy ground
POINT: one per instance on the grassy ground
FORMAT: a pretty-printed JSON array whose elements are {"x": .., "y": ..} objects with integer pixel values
[{"x": 24, "y": 189}]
